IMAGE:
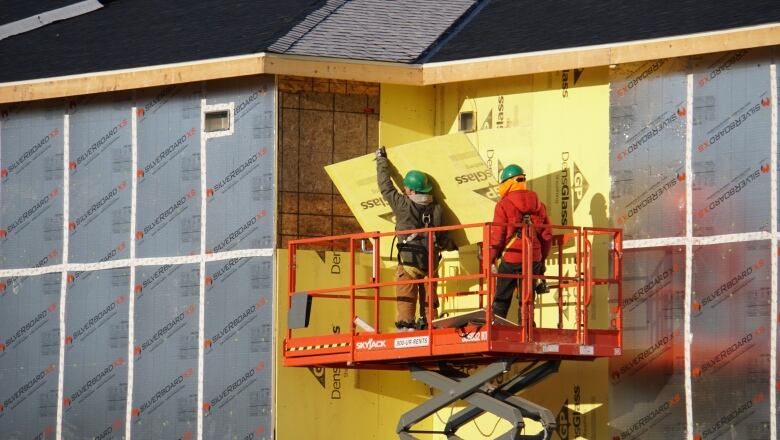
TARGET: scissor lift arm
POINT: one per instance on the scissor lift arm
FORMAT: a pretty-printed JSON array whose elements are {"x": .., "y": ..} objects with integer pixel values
[{"x": 481, "y": 398}]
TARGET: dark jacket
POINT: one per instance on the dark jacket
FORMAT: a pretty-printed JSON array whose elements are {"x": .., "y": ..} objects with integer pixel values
[
  {"x": 510, "y": 211},
  {"x": 405, "y": 210}
]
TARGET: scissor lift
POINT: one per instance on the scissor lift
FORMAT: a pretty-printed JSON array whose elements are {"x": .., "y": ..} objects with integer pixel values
[{"x": 433, "y": 355}]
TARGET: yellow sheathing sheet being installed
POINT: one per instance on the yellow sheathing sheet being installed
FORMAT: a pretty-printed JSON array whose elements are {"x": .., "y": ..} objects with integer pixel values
[{"x": 461, "y": 183}]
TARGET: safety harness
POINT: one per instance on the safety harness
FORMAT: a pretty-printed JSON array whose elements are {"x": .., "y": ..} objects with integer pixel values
[
  {"x": 413, "y": 250},
  {"x": 516, "y": 236}
]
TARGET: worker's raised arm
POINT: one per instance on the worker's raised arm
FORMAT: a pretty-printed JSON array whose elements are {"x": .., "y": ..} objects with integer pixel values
[{"x": 386, "y": 187}]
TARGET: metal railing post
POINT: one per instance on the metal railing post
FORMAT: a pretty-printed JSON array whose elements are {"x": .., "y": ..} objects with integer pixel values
[
  {"x": 376, "y": 264},
  {"x": 578, "y": 298},
  {"x": 619, "y": 278},
  {"x": 588, "y": 257},
  {"x": 490, "y": 281},
  {"x": 560, "y": 280},
  {"x": 352, "y": 300},
  {"x": 291, "y": 248},
  {"x": 429, "y": 293},
  {"x": 527, "y": 285}
]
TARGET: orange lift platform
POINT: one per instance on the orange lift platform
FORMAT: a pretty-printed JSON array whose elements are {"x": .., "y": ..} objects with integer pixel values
[{"x": 583, "y": 273}]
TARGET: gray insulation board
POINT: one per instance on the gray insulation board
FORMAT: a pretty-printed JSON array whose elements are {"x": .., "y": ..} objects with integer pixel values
[
  {"x": 730, "y": 348},
  {"x": 168, "y": 171},
  {"x": 731, "y": 142},
  {"x": 166, "y": 351},
  {"x": 237, "y": 373},
  {"x": 29, "y": 358},
  {"x": 100, "y": 176},
  {"x": 647, "y": 148},
  {"x": 241, "y": 169},
  {"x": 95, "y": 381},
  {"x": 648, "y": 380},
  {"x": 31, "y": 148}
]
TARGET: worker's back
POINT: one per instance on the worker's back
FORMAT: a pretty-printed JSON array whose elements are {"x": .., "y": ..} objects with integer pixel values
[{"x": 511, "y": 210}]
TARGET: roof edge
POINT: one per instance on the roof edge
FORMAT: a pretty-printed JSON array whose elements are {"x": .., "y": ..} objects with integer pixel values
[
  {"x": 388, "y": 72},
  {"x": 601, "y": 55}
]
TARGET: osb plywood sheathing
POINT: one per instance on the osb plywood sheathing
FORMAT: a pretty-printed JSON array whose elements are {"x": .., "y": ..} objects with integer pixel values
[{"x": 321, "y": 122}]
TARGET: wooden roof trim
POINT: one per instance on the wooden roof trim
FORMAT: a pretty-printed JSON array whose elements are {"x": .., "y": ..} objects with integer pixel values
[
  {"x": 393, "y": 73},
  {"x": 219, "y": 68}
]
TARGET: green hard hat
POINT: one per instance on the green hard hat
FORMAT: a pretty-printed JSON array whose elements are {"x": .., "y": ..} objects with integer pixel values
[
  {"x": 417, "y": 181},
  {"x": 511, "y": 171}
]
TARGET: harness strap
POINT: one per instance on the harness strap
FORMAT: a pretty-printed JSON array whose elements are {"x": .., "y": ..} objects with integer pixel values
[{"x": 527, "y": 221}]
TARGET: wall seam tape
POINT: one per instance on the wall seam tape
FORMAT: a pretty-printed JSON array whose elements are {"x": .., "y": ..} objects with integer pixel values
[
  {"x": 131, "y": 287},
  {"x": 773, "y": 253},
  {"x": 125, "y": 262},
  {"x": 699, "y": 241},
  {"x": 202, "y": 265},
  {"x": 732, "y": 238},
  {"x": 274, "y": 278},
  {"x": 654, "y": 242},
  {"x": 64, "y": 274},
  {"x": 274, "y": 263},
  {"x": 688, "y": 254}
]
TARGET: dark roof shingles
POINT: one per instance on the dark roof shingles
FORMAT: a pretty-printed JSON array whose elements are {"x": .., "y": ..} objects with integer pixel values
[
  {"x": 505, "y": 27},
  {"x": 137, "y": 33},
  {"x": 381, "y": 30}
]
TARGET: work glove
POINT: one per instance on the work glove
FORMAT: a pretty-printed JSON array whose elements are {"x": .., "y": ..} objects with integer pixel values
[
  {"x": 493, "y": 268},
  {"x": 381, "y": 152}
]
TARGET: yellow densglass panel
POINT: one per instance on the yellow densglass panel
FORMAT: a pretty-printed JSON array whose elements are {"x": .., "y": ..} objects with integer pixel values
[{"x": 406, "y": 114}]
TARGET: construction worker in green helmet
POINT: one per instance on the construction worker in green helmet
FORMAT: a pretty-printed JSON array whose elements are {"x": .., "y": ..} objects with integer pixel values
[
  {"x": 517, "y": 205},
  {"x": 414, "y": 208}
]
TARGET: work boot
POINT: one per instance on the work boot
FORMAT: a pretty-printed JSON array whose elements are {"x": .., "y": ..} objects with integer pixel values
[
  {"x": 404, "y": 326},
  {"x": 421, "y": 324},
  {"x": 541, "y": 287}
]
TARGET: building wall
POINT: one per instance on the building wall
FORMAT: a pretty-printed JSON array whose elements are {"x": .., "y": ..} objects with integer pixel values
[{"x": 115, "y": 302}]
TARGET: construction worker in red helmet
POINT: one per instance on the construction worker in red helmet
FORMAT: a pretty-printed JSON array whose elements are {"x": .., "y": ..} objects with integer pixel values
[
  {"x": 414, "y": 208},
  {"x": 516, "y": 206}
]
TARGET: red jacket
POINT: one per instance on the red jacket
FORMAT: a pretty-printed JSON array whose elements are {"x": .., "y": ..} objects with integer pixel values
[{"x": 509, "y": 211}]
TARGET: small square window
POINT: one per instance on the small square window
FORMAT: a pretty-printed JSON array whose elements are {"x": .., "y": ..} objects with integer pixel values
[
  {"x": 466, "y": 122},
  {"x": 218, "y": 120}
]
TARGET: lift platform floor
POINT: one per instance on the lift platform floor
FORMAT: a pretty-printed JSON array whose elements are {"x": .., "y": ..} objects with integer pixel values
[{"x": 463, "y": 339}]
